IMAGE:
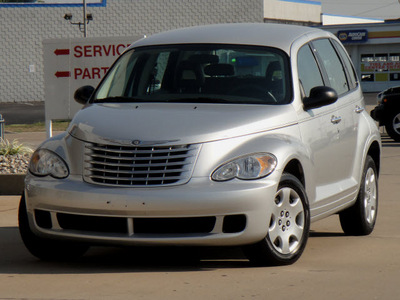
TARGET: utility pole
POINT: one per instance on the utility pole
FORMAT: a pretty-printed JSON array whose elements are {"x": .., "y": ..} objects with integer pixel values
[{"x": 86, "y": 19}]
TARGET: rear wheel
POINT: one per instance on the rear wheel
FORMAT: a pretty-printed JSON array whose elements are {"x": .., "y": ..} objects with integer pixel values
[
  {"x": 361, "y": 217},
  {"x": 288, "y": 227},
  {"x": 46, "y": 249},
  {"x": 393, "y": 125}
]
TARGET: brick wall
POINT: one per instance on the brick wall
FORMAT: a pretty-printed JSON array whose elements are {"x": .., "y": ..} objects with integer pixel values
[{"x": 22, "y": 30}]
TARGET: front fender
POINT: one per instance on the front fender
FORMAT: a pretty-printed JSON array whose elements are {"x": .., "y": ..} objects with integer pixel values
[{"x": 284, "y": 144}]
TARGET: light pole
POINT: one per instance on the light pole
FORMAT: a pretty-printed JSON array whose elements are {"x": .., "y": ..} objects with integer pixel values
[{"x": 86, "y": 19}]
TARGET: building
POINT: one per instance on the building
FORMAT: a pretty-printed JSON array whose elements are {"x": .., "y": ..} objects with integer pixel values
[{"x": 375, "y": 51}]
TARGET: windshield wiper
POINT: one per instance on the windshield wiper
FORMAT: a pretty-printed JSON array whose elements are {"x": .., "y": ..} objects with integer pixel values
[
  {"x": 119, "y": 99},
  {"x": 122, "y": 99}
]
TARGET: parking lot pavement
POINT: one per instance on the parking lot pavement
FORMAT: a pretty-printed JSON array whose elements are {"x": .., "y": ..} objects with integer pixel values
[
  {"x": 333, "y": 266},
  {"x": 22, "y": 113}
]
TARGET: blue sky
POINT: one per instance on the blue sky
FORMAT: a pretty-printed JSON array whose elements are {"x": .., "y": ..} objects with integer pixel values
[{"x": 377, "y": 9}]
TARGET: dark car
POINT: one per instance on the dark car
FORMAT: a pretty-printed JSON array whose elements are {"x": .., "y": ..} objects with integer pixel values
[{"x": 387, "y": 113}]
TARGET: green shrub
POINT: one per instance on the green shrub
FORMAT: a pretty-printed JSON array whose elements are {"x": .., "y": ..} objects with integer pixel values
[{"x": 13, "y": 148}]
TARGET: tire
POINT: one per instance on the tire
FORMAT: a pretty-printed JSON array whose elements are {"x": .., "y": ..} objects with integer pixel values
[
  {"x": 288, "y": 229},
  {"x": 360, "y": 219},
  {"x": 392, "y": 125},
  {"x": 46, "y": 249}
]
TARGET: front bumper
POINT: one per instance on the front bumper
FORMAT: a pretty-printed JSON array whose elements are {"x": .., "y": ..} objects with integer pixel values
[{"x": 201, "y": 212}]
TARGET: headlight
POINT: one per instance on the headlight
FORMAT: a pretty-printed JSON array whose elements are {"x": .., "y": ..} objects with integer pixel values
[
  {"x": 45, "y": 162},
  {"x": 252, "y": 166}
]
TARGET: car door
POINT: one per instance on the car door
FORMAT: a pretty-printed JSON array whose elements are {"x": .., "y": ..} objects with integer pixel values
[
  {"x": 349, "y": 105},
  {"x": 320, "y": 132}
]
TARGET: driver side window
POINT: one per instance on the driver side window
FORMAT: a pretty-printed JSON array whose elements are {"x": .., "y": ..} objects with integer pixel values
[{"x": 308, "y": 70}]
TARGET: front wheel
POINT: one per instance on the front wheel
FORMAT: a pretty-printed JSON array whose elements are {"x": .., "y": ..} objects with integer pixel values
[
  {"x": 46, "y": 249},
  {"x": 361, "y": 217},
  {"x": 289, "y": 226}
]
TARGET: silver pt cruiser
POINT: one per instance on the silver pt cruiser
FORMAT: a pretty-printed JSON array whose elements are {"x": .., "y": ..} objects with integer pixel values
[{"x": 219, "y": 135}]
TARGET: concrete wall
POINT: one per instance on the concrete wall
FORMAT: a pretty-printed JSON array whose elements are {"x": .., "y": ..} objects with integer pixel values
[
  {"x": 22, "y": 30},
  {"x": 300, "y": 11},
  {"x": 336, "y": 20}
]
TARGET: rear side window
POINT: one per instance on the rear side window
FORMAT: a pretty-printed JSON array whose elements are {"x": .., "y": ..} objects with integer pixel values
[
  {"x": 332, "y": 65},
  {"x": 309, "y": 73},
  {"x": 352, "y": 77}
]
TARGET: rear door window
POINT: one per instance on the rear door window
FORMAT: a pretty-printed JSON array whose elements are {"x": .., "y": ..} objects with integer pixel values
[
  {"x": 351, "y": 74},
  {"x": 332, "y": 64}
]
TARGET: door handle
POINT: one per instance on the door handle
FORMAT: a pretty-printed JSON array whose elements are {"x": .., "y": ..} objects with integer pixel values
[
  {"x": 359, "y": 109},
  {"x": 336, "y": 120}
]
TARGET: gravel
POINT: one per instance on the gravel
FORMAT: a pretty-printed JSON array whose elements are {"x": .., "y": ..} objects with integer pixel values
[{"x": 14, "y": 164}]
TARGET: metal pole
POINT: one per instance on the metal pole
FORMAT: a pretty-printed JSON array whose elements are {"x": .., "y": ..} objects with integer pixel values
[{"x": 84, "y": 19}]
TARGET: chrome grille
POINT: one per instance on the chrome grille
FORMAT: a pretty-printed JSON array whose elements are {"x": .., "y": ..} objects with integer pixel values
[{"x": 139, "y": 166}]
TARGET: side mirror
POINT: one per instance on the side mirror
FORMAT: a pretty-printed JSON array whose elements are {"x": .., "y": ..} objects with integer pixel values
[
  {"x": 320, "y": 96},
  {"x": 83, "y": 94}
]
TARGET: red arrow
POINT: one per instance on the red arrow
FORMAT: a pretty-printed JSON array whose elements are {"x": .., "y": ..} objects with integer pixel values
[
  {"x": 61, "y": 52},
  {"x": 62, "y": 74}
]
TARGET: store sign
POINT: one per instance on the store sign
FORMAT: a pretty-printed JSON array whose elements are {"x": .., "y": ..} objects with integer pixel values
[
  {"x": 72, "y": 63},
  {"x": 381, "y": 66},
  {"x": 353, "y": 36}
]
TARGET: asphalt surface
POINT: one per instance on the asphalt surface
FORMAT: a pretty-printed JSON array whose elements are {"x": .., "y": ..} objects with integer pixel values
[
  {"x": 28, "y": 113},
  {"x": 22, "y": 113}
]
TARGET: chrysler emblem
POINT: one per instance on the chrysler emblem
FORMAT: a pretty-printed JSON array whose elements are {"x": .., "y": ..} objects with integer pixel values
[{"x": 136, "y": 142}]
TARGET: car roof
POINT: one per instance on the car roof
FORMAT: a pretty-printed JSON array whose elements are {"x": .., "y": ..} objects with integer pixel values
[{"x": 261, "y": 34}]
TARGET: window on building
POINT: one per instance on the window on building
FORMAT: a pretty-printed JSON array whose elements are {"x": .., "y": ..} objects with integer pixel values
[
  {"x": 367, "y": 77},
  {"x": 380, "y": 67},
  {"x": 395, "y": 77},
  {"x": 394, "y": 57},
  {"x": 367, "y": 57}
]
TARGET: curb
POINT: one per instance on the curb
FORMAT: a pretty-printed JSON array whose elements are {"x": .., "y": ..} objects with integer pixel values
[{"x": 11, "y": 184}]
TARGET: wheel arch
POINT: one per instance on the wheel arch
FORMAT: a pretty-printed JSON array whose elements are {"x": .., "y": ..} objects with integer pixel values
[
  {"x": 295, "y": 168},
  {"x": 375, "y": 152}
]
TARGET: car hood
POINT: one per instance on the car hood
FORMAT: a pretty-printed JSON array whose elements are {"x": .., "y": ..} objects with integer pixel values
[{"x": 175, "y": 123}]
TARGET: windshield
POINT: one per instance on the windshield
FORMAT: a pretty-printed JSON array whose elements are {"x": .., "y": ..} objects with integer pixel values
[{"x": 198, "y": 73}]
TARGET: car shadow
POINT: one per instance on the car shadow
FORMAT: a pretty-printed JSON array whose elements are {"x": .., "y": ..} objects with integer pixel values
[{"x": 15, "y": 258}]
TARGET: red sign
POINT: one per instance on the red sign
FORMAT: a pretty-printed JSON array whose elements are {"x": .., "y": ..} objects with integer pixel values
[
  {"x": 62, "y": 74},
  {"x": 99, "y": 50},
  {"x": 382, "y": 65},
  {"x": 84, "y": 53},
  {"x": 61, "y": 52},
  {"x": 72, "y": 63}
]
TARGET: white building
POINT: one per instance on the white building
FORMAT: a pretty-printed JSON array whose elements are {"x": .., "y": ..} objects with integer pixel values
[{"x": 375, "y": 51}]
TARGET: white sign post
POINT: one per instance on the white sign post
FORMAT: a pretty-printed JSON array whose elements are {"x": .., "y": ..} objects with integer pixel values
[{"x": 72, "y": 63}]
